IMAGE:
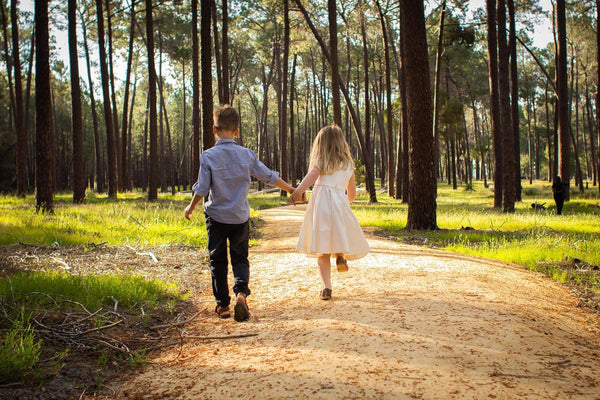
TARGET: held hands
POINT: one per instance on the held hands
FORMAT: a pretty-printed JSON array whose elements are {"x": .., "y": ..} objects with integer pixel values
[{"x": 298, "y": 197}]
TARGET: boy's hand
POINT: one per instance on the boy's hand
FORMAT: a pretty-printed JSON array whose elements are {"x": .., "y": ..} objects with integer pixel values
[{"x": 188, "y": 211}]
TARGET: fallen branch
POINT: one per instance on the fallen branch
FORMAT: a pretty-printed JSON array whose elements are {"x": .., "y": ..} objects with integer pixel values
[
  {"x": 243, "y": 335},
  {"x": 175, "y": 324}
]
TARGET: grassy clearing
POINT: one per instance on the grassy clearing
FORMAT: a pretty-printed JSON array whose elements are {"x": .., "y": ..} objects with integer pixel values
[
  {"x": 129, "y": 220},
  {"x": 537, "y": 239}
]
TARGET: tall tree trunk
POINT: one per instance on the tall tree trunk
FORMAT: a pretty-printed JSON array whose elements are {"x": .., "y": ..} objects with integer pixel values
[
  {"x": 549, "y": 138},
  {"x": 388, "y": 97},
  {"x": 598, "y": 85},
  {"x": 18, "y": 111},
  {"x": 218, "y": 59},
  {"x": 436, "y": 93},
  {"x": 333, "y": 51},
  {"x": 508, "y": 183},
  {"x": 293, "y": 155},
  {"x": 8, "y": 59},
  {"x": 108, "y": 116},
  {"x": 367, "y": 103},
  {"x": 195, "y": 94},
  {"x": 225, "y": 53},
  {"x": 162, "y": 157},
  {"x": 494, "y": 100},
  {"x": 123, "y": 175},
  {"x": 283, "y": 122},
  {"x": 563, "y": 100},
  {"x": 100, "y": 177},
  {"x": 76, "y": 121},
  {"x": 422, "y": 201},
  {"x": 514, "y": 94},
  {"x": 129, "y": 142},
  {"x": 113, "y": 96},
  {"x": 208, "y": 138},
  {"x": 153, "y": 178},
  {"x": 43, "y": 117},
  {"x": 30, "y": 139}
]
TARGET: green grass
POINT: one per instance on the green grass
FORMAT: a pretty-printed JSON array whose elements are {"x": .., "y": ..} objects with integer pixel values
[
  {"x": 19, "y": 353},
  {"x": 538, "y": 240},
  {"x": 129, "y": 220},
  {"x": 52, "y": 295},
  {"x": 92, "y": 291}
]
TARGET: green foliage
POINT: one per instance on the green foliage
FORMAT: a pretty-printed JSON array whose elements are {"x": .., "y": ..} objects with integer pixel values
[
  {"x": 19, "y": 352},
  {"x": 468, "y": 224},
  {"x": 92, "y": 291},
  {"x": 129, "y": 220}
]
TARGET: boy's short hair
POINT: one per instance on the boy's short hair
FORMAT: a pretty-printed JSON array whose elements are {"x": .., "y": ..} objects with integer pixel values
[{"x": 225, "y": 117}]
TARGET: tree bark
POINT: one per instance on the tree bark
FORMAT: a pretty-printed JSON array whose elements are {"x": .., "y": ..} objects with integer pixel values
[
  {"x": 514, "y": 94},
  {"x": 494, "y": 100},
  {"x": 18, "y": 110},
  {"x": 100, "y": 177},
  {"x": 113, "y": 96},
  {"x": 333, "y": 51},
  {"x": 436, "y": 97},
  {"x": 563, "y": 100},
  {"x": 225, "y": 53},
  {"x": 369, "y": 162},
  {"x": 508, "y": 181},
  {"x": 76, "y": 121},
  {"x": 153, "y": 178},
  {"x": 422, "y": 192},
  {"x": 195, "y": 94},
  {"x": 108, "y": 116},
  {"x": 44, "y": 146},
  {"x": 293, "y": 155},
  {"x": 598, "y": 85},
  {"x": 208, "y": 138},
  {"x": 388, "y": 98},
  {"x": 283, "y": 122},
  {"x": 123, "y": 175}
]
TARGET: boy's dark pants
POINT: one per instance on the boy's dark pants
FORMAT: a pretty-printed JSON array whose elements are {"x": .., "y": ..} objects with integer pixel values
[{"x": 218, "y": 233}]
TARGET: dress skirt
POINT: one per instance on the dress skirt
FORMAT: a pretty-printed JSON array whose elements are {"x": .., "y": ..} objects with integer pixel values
[{"x": 330, "y": 226}]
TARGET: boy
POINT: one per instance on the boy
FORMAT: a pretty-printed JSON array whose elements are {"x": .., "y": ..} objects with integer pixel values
[{"x": 224, "y": 176}]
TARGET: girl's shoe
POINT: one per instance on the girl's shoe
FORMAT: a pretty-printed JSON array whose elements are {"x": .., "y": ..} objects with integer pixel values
[
  {"x": 325, "y": 294},
  {"x": 341, "y": 264}
]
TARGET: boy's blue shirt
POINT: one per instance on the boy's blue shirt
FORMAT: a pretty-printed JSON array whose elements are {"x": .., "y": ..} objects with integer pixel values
[{"x": 224, "y": 175}]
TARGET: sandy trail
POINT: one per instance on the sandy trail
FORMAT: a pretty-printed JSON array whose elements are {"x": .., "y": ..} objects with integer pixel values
[{"x": 405, "y": 323}]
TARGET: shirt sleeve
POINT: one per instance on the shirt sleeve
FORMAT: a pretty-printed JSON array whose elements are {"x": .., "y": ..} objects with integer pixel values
[
  {"x": 202, "y": 185},
  {"x": 261, "y": 172}
]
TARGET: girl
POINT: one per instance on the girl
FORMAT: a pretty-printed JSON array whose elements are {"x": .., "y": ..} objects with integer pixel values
[{"x": 329, "y": 227}]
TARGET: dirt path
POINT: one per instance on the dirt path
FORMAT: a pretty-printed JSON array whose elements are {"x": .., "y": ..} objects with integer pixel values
[{"x": 405, "y": 322}]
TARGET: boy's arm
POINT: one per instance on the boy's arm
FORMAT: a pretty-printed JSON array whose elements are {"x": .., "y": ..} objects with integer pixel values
[
  {"x": 188, "y": 210},
  {"x": 283, "y": 185}
]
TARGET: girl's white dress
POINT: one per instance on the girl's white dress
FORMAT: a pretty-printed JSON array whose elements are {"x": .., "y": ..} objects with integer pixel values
[{"x": 330, "y": 226}]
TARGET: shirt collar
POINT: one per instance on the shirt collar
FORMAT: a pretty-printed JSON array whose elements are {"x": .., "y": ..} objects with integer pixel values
[{"x": 224, "y": 141}]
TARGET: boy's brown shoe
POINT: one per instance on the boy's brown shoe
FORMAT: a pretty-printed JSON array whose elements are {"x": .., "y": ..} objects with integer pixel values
[
  {"x": 240, "y": 311},
  {"x": 341, "y": 264},
  {"x": 222, "y": 312}
]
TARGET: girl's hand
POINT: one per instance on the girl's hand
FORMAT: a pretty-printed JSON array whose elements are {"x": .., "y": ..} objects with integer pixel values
[{"x": 297, "y": 197}]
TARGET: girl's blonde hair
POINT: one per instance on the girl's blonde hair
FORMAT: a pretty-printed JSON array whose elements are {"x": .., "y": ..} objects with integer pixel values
[{"x": 330, "y": 151}]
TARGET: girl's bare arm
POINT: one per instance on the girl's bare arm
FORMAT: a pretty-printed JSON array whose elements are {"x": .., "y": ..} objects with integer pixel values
[
  {"x": 307, "y": 182},
  {"x": 351, "y": 188}
]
